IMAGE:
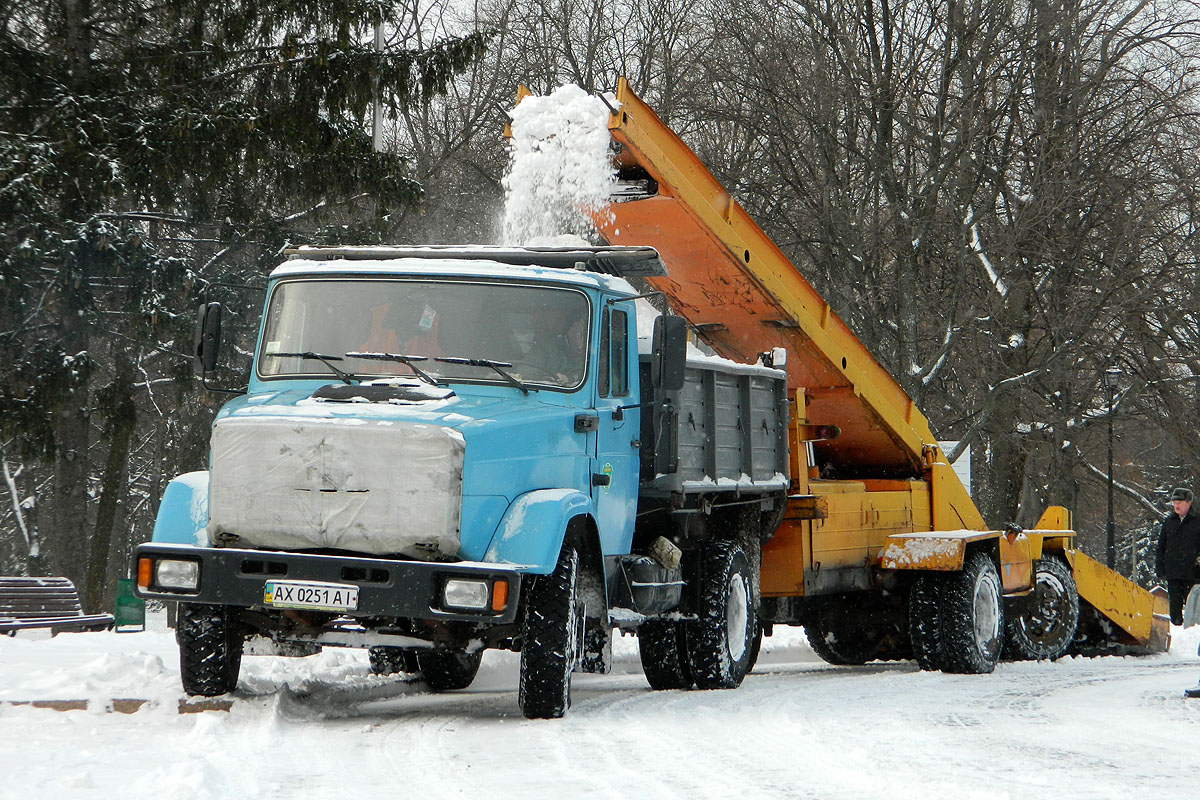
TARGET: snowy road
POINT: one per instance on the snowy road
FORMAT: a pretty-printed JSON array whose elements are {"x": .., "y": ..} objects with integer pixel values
[{"x": 323, "y": 727}]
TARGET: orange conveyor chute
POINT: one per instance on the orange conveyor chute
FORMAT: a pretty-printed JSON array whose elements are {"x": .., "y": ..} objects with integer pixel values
[{"x": 743, "y": 296}]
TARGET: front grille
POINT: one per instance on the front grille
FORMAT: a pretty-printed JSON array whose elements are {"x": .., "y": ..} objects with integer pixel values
[{"x": 364, "y": 486}]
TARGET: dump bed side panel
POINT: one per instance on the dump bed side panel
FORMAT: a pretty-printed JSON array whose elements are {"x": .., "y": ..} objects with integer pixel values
[{"x": 728, "y": 431}]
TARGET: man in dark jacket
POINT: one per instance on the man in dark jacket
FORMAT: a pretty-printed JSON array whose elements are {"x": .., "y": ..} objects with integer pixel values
[{"x": 1178, "y": 549}]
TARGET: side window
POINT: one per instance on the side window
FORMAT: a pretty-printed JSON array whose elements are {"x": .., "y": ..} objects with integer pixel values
[
  {"x": 602, "y": 376},
  {"x": 620, "y": 353}
]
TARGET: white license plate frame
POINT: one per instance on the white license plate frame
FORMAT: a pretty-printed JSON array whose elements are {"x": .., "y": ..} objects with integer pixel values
[{"x": 310, "y": 595}]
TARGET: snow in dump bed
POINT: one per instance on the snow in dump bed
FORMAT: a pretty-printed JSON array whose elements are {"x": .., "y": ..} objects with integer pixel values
[
  {"x": 323, "y": 727},
  {"x": 646, "y": 314},
  {"x": 560, "y": 169}
]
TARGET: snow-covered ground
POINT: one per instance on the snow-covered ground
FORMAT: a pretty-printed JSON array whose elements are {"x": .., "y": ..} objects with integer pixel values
[{"x": 323, "y": 727}]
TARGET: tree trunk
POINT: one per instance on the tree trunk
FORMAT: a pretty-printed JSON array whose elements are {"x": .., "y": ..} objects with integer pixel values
[{"x": 122, "y": 421}]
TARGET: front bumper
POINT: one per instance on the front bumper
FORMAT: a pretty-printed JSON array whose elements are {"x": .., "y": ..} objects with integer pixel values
[{"x": 386, "y": 587}]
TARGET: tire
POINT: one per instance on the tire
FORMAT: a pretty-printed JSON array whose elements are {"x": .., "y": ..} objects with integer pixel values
[
  {"x": 925, "y": 620},
  {"x": 721, "y": 640},
  {"x": 756, "y": 647},
  {"x": 210, "y": 651},
  {"x": 1043, "y": 629},
  {"x": 972, "y": 618},
  {"x": 662, "y": 646},
  {"x": 552, "y": 639},
  {"x": 446, "y": 670},
  {"x": 837, "y": 633},
  {"x": 390, "y": 660}
]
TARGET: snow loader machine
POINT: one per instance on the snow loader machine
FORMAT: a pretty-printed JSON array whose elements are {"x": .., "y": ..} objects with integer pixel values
[{"x": 890, "y": 560}]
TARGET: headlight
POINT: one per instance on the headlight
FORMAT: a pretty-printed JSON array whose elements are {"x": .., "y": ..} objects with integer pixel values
[
  {"x": 459, "y": 593},
  {"x": 170, "y": 574}
]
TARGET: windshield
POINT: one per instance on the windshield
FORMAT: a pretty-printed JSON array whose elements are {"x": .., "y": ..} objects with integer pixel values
[{"x": 536, "y": 334}]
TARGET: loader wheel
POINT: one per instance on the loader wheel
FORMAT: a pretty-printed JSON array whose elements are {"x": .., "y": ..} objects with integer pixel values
[
  {"x": 925, "y": 620},
  {"x": 445, "y": 670},
  {"x": 1045, "y": 627},
  {"x": 553, "y": 639},
  {"x": 972, "y": 618},
  {"x": 721, "y": 640},
  {"x": 662, "y": 646},
  {"x": 838, "y": 636},
  {"x": 210, "y": 650}
]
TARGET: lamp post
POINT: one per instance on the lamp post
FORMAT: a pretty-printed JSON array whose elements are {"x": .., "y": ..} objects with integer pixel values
[{"x": 1112, "y": 374}]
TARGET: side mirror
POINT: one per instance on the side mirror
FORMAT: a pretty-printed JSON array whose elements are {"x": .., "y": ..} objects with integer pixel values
[
  {"x": 208, "y": 337},
  {"x": 670, "y": 353}
]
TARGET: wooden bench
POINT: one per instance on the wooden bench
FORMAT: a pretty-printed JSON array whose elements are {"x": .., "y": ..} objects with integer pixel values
[{"x": 45, "y": 603}]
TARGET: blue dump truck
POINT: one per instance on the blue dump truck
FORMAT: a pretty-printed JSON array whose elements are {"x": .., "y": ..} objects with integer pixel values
[{"x": 443, "y": 450}]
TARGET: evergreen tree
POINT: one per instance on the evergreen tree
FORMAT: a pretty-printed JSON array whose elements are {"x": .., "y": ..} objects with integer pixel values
[{"x": 146, "y": 149}]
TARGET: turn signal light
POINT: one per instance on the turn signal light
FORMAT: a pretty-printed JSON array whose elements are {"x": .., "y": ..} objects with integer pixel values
[
  {"x": 499, "y": 595},
  {"x": 143, "y": 573}
]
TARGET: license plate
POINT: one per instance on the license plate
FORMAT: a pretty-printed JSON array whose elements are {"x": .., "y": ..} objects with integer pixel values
[{"x": 308, "y": 594}]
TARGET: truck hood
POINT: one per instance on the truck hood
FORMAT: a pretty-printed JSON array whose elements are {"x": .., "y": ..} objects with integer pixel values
[{"x": 426, "y": 478}]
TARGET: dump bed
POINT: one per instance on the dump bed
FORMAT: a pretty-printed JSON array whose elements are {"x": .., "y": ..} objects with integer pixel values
[{"x": 725, "y": 430}]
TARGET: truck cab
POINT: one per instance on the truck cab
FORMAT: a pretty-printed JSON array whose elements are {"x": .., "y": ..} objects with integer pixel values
[{"x": 438, "y": 451}]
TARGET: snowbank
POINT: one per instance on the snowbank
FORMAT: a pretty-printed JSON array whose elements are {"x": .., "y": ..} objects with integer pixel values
[{"x": 324, "y": 727}]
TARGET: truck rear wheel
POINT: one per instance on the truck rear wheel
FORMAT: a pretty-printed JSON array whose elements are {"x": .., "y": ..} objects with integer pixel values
[
  {"x": 662, "y": 646},
  {"x": 721, "y": 640},
  {"x": 925, "y": 620},
  {"x": 552, "y": 641},
  {"x": 1045, "y": 627},
  {"x": 445, "y": 670},
  {"x": 972, "y": 618},
  {"x": 210, "y": 651}
]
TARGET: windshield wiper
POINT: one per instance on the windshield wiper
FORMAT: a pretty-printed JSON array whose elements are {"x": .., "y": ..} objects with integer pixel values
[
  {"x": 498, "y": 366},
  {"x": 327, "y": 360},
  {"x": 401, "y": 358}
]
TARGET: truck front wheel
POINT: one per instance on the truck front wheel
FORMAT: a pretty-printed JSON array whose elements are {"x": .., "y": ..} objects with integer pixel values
[
  {"x": 662, "y": 646},
  {"x": 552, "y": 640},
  {"x": 721, "y": 640},
  {"x": 1045, "y": 625},
  {"x": 210, "y": 650},
  {"x": 450, "y": 669},
  {"x": 972, "y": 618}
]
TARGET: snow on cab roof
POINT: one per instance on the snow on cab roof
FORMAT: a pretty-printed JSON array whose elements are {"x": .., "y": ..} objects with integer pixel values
[{"x": 590, "y": 266}]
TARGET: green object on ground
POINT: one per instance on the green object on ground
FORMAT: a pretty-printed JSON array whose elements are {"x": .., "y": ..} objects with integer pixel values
[{"x": 130, "y": 609}]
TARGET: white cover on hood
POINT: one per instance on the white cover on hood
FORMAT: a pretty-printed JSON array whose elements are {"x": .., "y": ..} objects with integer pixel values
[{"x": 369, "y": 486}]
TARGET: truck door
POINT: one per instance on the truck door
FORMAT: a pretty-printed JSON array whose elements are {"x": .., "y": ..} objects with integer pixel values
[{"x": 615, "y": 467}]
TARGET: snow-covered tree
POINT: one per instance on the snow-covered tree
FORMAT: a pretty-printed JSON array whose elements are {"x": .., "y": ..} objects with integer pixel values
[{"x": 147, "y": 149}]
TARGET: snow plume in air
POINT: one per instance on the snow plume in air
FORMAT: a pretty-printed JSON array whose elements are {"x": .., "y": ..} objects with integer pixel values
[{"x": 560, "y": 171}]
